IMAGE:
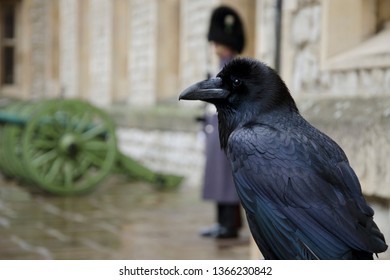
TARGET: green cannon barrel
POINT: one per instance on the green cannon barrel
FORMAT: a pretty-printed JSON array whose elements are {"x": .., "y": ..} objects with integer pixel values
[{"x": 62, "y": 146}]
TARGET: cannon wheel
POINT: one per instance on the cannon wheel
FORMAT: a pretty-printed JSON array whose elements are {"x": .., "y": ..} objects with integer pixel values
[{"x": 69, "y": 146}]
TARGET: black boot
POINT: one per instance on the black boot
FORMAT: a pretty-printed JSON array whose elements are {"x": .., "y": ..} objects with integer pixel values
[
  {"x": 229, "y": 222},
  {"x": 229, "y": 218}
]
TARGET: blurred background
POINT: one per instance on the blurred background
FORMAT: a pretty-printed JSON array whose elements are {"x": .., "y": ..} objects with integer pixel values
[{"x": 131, "y": 59}]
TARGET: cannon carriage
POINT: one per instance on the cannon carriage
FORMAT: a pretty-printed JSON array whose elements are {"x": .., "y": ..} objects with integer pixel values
[{"x": 64, "y": 147}]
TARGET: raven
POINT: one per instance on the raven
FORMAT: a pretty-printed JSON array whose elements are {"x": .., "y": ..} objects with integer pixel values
[{"x": 301, "y": 197}]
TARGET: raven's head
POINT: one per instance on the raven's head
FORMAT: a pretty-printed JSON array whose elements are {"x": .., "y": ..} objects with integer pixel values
[{"x": 243, "y": 91}]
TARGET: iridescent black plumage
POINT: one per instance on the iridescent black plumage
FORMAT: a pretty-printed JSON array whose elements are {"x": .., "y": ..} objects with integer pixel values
[{"x": 301, "y": 197}]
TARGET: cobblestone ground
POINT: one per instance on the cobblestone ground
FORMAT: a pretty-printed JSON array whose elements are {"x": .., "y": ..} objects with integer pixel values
[{"x": 118, "y": 220}]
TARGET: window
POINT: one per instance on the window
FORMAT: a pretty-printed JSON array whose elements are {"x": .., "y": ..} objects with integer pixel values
[{"x": 7, "y": 43}]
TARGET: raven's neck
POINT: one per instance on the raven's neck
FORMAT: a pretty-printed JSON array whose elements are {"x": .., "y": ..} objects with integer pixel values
[
  {"x": 227, "y": 123},
  {"x": 230, "y": 119}
]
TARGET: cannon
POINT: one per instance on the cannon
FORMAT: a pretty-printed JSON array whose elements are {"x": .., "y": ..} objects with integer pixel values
[{"x": 65, "y": 147}]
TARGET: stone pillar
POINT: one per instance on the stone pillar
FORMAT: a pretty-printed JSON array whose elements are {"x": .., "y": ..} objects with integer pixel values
[
  {"x": 23, "y": 70},
  {"x": 100, "y": 19},
  {"x": 69, "y": 64},
  {"x": 52, "y": 85},
  {"x": 167, "y": 49},
  {"x": 265, "y": 33},
  {"x": 84, "y": 48},
  {"x": 142, "y": 52},
  {"x": 120, "y": 51},
  {"x": 39, "y": 29},
  {"x": 37, "y": 50}
]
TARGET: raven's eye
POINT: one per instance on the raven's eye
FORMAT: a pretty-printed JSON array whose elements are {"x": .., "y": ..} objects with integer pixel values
[{"x": 236, "y": 82}]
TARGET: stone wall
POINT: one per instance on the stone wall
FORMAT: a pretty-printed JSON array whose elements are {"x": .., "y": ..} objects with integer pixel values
[
  {"x": 91, "y": 55},
  {"x": 166, "y": 139},
  {"x": 307, "y": 68},
  {"x": 171, "y": 152}
]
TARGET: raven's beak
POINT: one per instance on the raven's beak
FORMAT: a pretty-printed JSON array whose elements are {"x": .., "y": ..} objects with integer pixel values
[{"x": 205, "y": 90}]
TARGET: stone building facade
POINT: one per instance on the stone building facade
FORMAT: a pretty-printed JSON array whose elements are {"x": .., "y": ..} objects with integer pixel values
[
  {"x": 144, "y": 52},
  {"x": 133, "y": 57},
  {"x": 120, "y": 51}
]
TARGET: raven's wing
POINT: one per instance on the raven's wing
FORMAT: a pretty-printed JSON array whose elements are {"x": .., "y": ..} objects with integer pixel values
[{"x": 302, "y": 199}]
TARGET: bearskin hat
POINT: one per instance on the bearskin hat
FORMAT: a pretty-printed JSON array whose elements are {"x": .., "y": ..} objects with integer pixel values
[{"x": 226, "y": 28}]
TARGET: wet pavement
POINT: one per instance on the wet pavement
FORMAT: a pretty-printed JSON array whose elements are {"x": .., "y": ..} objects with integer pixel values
[{"x": 117, "y": 220}]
